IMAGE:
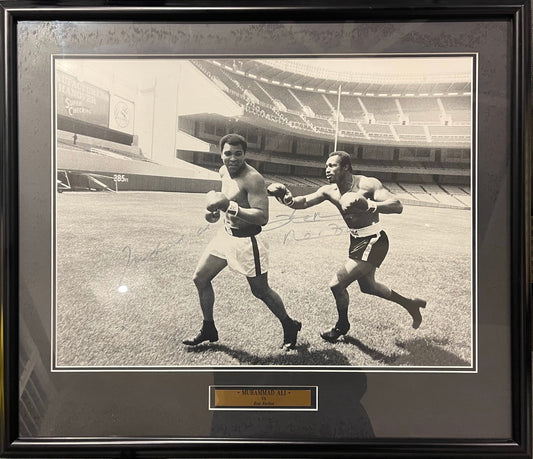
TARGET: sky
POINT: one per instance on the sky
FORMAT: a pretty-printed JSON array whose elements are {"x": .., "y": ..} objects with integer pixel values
[
  {"x": 385, "y": 65},
  {"x": 136, "y": 70}
]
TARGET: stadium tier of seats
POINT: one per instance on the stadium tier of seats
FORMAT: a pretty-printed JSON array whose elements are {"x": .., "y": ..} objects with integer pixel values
[
  {"x": 350, "y": 127},
  {"x": 406, "y": 129},
  {"x": 440, "y": 194},
  {"x": 466, "y": 200},
  {"x": 378, "y": 130},
  {"x": 410, "y": 132},
  {"x": 284, "y": 96},
  {"x": 286, "y": 179},
  {"x": 456, "y": 190},
  {"x": 455, "y": 103},
  {"x": 316, "y": 181},
  {"x": 315, "y": 111},
  {"x": 421, "y": 110},
  {"x": 293, "y": 118},
  {"x": 351, "y": 108},
  {"x": 292, "y": 73},
  {"x": 241, "y": 81},
  {"x": 260, "y": 92},
  {"x": 418, "y": 192},
  {"x": 383, "y": 109},
  {"x": 315, "y": 101},
  {"x": 396, "y": 189},
  {"x": 449, "y": 131},
  {"x": 431, "y": 194},
  {"x": 230, "y": 82},
  {"x": 77, "y": 158},
  {"x": 459, "y": 116},
  {"x": 322, "y": 123}
]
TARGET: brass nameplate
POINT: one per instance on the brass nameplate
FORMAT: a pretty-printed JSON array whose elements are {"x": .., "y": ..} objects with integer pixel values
[{"x": 263, "y": 397}]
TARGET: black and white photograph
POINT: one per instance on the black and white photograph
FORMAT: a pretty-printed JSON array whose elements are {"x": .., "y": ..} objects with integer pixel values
[
  {"x": 266, "y": 230},
  {"x": 278, "y": 212}
]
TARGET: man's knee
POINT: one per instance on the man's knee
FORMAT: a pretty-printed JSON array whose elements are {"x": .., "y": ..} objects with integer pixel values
[
  {"x": 342, "y": 279},
  {"x": 336, "y": 287},
  {"x": 367, "y": 287},
  {"x": 260, "y": 292},
  {"x": 200, "y": 281}
]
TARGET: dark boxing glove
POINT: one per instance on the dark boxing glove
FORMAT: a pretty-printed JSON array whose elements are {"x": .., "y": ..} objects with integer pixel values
[
  {"x": 281, "y": 193},
  {"x": 212, "y": 217},
  {"x": 353, "y": 202}
]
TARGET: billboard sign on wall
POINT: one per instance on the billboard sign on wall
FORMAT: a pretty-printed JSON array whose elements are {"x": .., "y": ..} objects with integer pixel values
[
  {"x": 82, "y": 101},
  {"x": 121, "y": 114}
]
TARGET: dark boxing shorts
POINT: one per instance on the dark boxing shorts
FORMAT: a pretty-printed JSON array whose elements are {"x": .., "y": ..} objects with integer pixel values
[{"x": 371, "y": 248}]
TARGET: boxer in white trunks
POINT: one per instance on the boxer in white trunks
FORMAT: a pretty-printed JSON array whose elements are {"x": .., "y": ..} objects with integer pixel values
[{"x": 238, "y": 244}]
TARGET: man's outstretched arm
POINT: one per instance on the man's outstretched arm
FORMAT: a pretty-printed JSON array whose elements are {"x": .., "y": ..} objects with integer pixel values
[{"x": 283, "y": 195}]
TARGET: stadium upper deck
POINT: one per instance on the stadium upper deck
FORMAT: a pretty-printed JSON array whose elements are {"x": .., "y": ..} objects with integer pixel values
[
  {"x": 417, "y": 110},
  {"x": 291, "y": 117}
]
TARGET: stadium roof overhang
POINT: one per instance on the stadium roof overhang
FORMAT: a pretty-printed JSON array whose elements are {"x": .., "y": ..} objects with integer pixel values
[
  {"x": 199, "y": 95},
  {"x": 371, "y": 85},
  {"x": 187, "y": 142}
]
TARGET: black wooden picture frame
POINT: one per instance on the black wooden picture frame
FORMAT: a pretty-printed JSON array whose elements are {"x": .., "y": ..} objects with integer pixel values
[{"x": 503, "y": 224}]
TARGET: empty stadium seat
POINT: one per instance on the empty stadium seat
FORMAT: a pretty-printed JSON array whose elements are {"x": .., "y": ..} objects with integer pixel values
[
  {"x": 362, "y": 118},
  {"x": 314, "y": 101},
  {"x": 421, "y": 110}
]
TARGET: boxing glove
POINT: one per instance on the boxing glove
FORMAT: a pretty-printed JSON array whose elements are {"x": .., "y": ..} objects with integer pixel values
[
  {"x": 353, "y": 202},
  {"x": 216, "y": 201},
  {"x": 281, "y": 193},
  {"x": 212, "y": 217}
]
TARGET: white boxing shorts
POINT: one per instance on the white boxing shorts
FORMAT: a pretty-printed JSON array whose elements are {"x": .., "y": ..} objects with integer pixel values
[{"x": 247, "y": 255}]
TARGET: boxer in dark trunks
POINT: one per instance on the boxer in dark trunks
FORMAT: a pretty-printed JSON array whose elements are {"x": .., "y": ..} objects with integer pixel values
[{"x": 360, "y": 200}]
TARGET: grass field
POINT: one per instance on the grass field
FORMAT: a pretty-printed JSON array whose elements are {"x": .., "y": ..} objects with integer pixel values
[{"x": 151, "y": 242}]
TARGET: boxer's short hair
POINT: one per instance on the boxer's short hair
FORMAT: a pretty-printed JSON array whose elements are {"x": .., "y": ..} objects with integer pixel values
[{"x": 233, "y": 139}]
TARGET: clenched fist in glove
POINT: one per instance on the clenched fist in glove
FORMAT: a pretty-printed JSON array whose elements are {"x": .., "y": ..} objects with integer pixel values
[
  {"x": 281, "y": 193},
  {"x": 355, "y": 202},
  {"x": 212, "y": 217},
  {"x": 216, "y": 201}
]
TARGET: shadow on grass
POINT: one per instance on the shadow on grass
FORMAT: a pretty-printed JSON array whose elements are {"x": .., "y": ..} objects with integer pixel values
[
  {"x": 374, "y": 354},
  {"x": 416, "y": 352},
  {"x": 301, "y": 355},
  {"x": 426, "y": 353}
]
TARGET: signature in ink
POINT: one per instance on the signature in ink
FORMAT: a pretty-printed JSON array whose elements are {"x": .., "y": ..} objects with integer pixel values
[
  {"x": 333, "y": 229},
  {"x": 133, "y": 259},
  {"x": 282, "y": 220}
]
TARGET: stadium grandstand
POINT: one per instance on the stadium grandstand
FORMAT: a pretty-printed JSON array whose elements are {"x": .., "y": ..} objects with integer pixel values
[{"x": 158, "y": 129}]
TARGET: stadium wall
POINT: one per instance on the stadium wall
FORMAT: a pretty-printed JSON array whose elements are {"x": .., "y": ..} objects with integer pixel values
[
  {"x": 275, "y": 168},
  {"x": 434, "y": 164},
  {"x": 92, "y": 130},
  {"x": 377, "y": 152},
  {"x": 298, "y": 144},
  {"x": 68, "y": 138},
  {"x": 136, "y": 182}
]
